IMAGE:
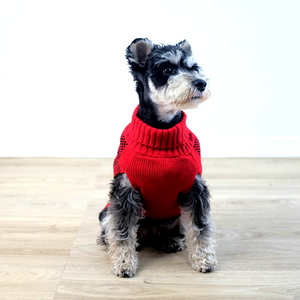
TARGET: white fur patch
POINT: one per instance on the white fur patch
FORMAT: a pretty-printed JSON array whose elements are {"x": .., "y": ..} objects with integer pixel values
[
  {"x": 190, "y": 61},
  {"x": 172, "y": 57},
  {"x": 166, "y": 111}
]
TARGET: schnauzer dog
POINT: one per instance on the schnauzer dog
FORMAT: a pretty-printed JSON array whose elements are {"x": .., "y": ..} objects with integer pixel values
[{"x": 158, "y": 196}]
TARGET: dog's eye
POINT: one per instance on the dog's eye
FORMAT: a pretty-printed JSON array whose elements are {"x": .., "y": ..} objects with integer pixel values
[{"x": 168, "y": 71}]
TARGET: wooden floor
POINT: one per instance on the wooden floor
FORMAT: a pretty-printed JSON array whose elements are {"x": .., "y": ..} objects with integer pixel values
[{"x": 49, "y": 227}]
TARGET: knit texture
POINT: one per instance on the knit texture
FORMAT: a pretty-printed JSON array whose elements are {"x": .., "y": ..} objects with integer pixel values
[{"x": 159, "y": 163}]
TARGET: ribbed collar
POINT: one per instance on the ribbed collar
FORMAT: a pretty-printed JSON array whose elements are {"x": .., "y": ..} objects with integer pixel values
[{"x": 141, "y": 135}]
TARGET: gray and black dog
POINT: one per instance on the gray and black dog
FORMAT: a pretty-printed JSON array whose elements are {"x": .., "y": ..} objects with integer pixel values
[{"x": 158, "y": 196}]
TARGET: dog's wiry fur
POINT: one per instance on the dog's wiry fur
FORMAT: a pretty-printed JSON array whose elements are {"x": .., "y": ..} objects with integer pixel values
[{"x": 168, "y": 80}]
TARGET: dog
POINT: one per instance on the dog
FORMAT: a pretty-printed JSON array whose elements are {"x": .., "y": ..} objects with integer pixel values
[{"x": 158, "y": 196}]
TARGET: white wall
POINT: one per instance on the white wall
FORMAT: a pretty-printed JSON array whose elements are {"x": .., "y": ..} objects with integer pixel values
[{"x": 65, "y": 89}]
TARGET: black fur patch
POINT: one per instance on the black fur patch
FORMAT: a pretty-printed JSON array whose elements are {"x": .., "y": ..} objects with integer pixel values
[
  {"x": 166, "y": 235},
  {"x": 196, "y": 201},
  {"x": 125, "y": 206}
]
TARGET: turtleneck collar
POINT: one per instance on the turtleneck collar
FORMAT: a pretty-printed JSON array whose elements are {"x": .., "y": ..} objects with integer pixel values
[{"x": 143, "y": 136}]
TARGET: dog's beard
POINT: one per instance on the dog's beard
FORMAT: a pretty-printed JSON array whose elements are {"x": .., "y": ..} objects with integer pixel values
[{"x": 179, "y": 93}]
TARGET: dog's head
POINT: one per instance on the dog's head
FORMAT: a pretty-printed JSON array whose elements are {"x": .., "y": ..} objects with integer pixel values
[{"x": 168, "y": 75}]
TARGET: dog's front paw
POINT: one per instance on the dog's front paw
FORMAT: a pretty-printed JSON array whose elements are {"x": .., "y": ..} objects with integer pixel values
[
  {"x": 203, "y": 267},
  {"x": 203, "y": 262},
  {"x": 126, "y": 267},
  {"x": 124, "y": 270}
]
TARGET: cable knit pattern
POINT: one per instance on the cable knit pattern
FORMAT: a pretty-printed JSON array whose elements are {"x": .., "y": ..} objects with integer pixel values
[{"x": 160, "y": 163}]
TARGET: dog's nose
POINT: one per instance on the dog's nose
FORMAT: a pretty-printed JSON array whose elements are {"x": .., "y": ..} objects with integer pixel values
[{"x": 200, "y": 84}]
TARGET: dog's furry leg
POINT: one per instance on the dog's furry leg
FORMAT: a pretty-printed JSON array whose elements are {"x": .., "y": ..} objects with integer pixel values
[
  {"x": 199, "y": 236},
  {"x": 120, "y": 225}
]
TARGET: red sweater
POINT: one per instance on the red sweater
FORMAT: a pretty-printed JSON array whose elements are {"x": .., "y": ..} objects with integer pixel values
[{"x": 159, "y": 163}]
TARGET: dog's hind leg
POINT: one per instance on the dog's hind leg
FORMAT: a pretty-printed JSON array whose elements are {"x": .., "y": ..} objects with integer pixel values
[
  {"x": 172, "y": 237},
  {"x": 199, "y": 234},
  {"x": 120, "y": 225},
  {"x": 165, "y": 234}
]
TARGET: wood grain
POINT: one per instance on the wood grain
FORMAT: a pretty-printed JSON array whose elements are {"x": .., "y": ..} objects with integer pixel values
[
  {"x": 48, "y": 231},
  {"x": 42, "y": 202}
]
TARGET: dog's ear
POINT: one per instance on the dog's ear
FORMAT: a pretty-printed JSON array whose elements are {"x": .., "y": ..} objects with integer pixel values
[
  {"x": 186, "y": 46},
  {"x": 138, "y": 51}
]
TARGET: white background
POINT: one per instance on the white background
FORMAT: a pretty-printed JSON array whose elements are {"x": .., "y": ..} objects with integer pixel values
[{"x": 65, "y": 89}]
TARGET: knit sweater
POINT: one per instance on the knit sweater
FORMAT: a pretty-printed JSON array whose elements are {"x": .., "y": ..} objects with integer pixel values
[{"x": 160, "y": 163}]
